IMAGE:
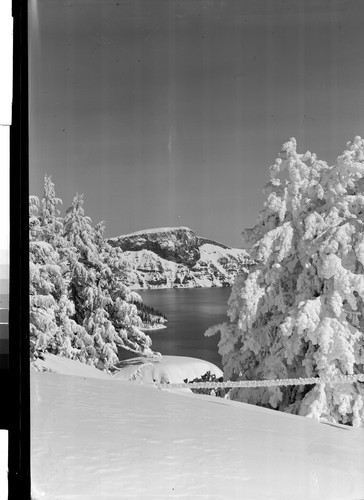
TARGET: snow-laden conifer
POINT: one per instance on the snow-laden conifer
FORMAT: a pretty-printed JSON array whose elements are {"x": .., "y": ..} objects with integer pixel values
[
  {"x": 102, "y": 302},
  {"x": 80, "y": 307},
  {"x": 299, "y": 312},
  {"x": 51, "y": 326}
]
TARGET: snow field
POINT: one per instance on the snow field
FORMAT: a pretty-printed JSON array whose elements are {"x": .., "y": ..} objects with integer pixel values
[{"x": 103, "y": 438}]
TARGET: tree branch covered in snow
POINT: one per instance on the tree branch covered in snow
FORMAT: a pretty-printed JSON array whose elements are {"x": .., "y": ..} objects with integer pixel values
[
  {"x": 79, "y": 306},
  {"x": 299, "y": 311}
]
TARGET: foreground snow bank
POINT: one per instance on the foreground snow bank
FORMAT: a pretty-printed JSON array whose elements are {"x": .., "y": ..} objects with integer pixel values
[
  {"x": 65, "y": 366},
  {"x": 172, "y": 369},
  {"x": 95, "y": 439}
]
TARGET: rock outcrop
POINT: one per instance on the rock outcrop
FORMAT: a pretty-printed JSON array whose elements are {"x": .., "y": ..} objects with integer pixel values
[
  {"x": 178, "y": 244},
  {"x": 177, "y": 258}
]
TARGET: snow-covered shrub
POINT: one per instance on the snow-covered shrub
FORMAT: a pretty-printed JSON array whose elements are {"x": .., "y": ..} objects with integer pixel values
[
  {"x": 208, "y": 377},
  {"x": 299, "y": 312},
  {"x": 79, "y": 306}
]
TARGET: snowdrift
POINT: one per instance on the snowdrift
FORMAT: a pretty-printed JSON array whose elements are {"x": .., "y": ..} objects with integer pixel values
[
  {"x": 98, "y": 438},
  {"x": 65, "y": 366},
  {"x": 172, "y": 369}
]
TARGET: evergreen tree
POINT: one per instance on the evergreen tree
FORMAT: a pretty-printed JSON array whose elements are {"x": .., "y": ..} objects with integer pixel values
[
  {"x": 299, "y": 312},
  {"x": 79, "y": 305},
  {"x": 50, "y": 308},
  {"x": 101, "y": 301},
  {"x": 51, "y": 223}
]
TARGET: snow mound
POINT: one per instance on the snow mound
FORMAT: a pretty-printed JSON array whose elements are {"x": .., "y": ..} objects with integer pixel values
[
  {"x": 170, "y": 369},
  {"x": 65, "y": 366}
]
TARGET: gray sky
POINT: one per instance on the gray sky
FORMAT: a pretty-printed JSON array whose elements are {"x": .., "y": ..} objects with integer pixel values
[{"x": 168, "y": 113}]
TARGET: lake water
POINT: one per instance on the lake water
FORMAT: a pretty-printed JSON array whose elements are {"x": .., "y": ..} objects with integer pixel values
[{"x": 190, "y": 312}]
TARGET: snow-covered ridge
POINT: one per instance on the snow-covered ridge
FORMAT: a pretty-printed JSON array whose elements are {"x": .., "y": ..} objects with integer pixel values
[
  {"x": 177, "y": 258},
  {"x": 151, "y": 231},
  {"x": 176, "y": 244}
]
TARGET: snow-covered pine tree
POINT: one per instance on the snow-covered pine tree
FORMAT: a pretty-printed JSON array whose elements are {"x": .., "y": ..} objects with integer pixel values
[
  {"x": 299, "y": 312},
  {"x": 102, "y": 303},
  {"x": 51, "y": 223},
  {"x": 79, "y": 307},
  {"x": 51, "y": 328}
]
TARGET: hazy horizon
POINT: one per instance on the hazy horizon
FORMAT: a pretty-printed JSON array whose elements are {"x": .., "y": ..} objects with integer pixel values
[{"x": 167, "y": 113}]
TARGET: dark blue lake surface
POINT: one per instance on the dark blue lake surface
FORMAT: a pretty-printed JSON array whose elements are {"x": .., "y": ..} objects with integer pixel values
[{"x": 190, "y": 311}]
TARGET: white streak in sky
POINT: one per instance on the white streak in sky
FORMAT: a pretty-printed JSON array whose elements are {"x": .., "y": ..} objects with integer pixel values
[{"x": 170, "y": 140}]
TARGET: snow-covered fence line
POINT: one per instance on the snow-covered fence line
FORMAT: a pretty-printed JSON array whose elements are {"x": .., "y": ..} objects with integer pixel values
[{"x": 344, "y": 379}]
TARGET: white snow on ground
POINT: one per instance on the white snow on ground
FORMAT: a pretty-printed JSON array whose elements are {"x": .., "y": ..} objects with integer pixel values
[
  {"x": 66, "y": 366},
  {"x": 98, "y": 438},
  {"x": 172, "y": 369},
  {"x": 214, "y": 252}
]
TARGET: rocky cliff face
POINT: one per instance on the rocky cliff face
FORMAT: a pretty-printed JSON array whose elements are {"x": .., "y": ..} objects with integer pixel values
[
  {"x": 178, "y": 244},
  {"x": 177, "y": 258}
]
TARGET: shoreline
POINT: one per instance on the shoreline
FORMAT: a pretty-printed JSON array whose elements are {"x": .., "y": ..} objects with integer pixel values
[
  {"x": 152, "y": 328},
  {"x": 176, "y": 287}
]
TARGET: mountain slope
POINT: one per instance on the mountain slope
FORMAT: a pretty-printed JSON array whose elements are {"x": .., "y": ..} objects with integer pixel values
[{"x": 177, "y": 258}]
